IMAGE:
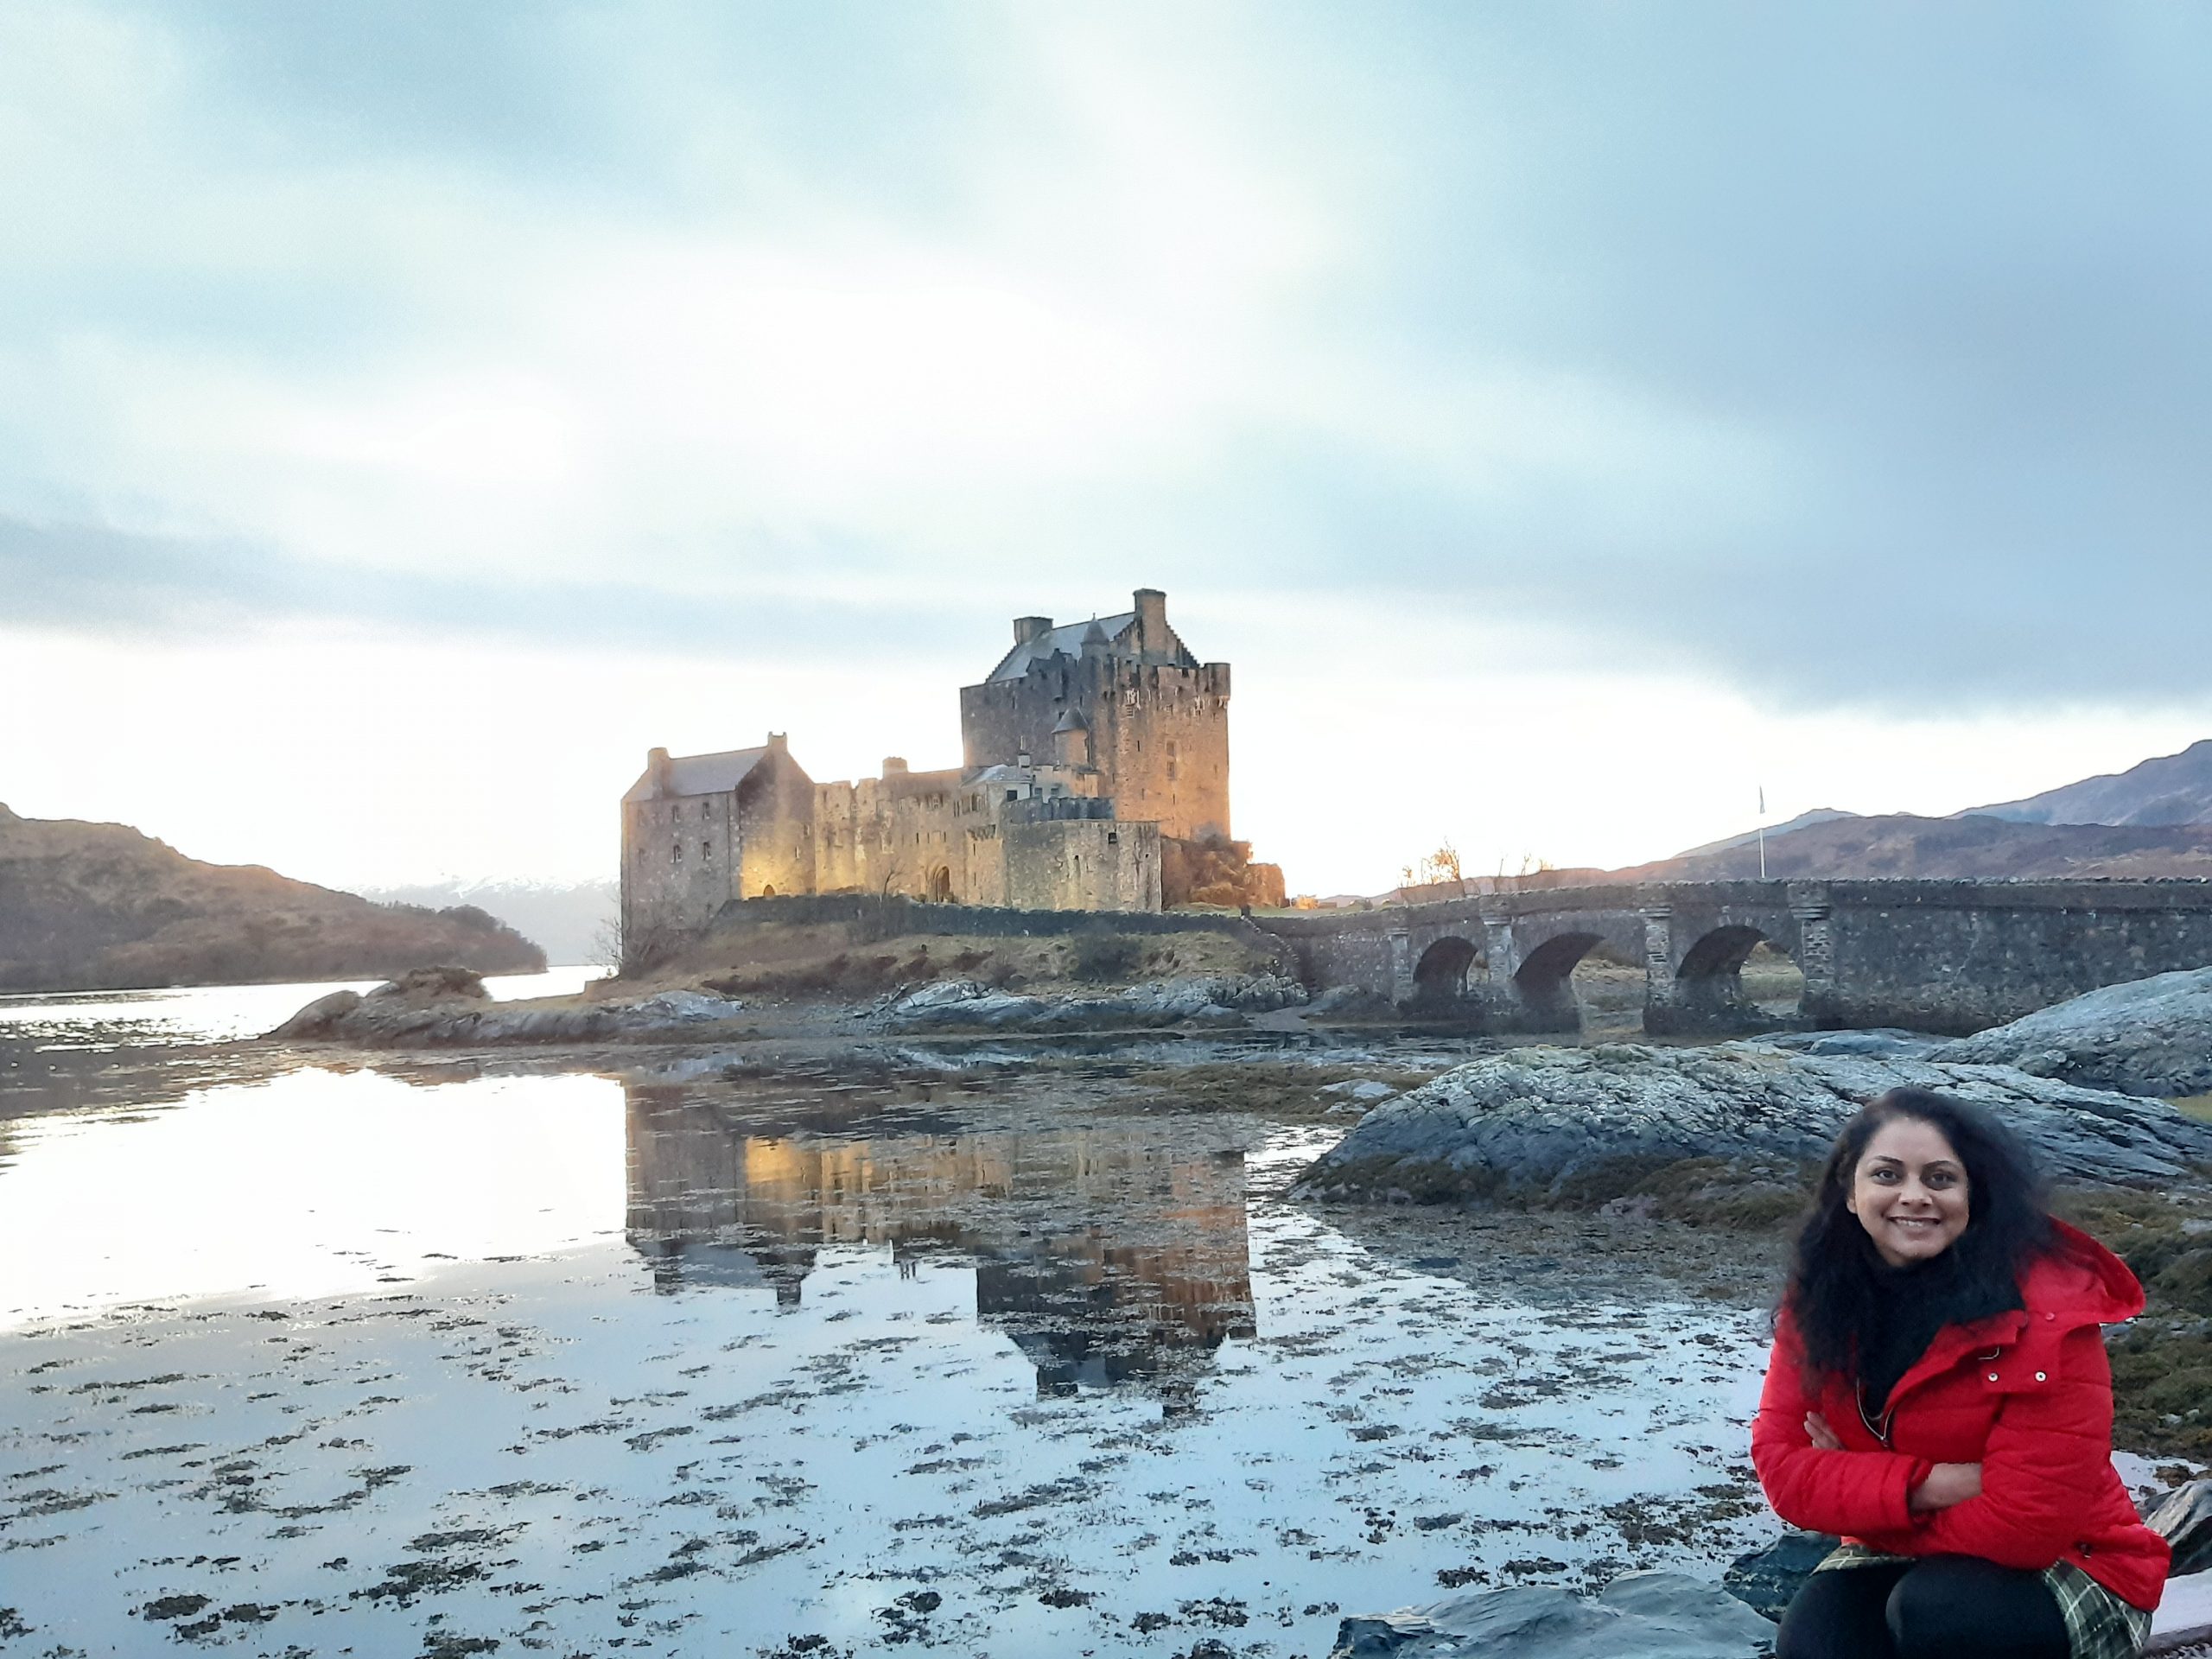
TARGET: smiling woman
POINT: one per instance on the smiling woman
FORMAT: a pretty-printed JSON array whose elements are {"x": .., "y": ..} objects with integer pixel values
[
  {"x": 1909, "y": 1192},
  {"x": 1939, "y": 1395}
]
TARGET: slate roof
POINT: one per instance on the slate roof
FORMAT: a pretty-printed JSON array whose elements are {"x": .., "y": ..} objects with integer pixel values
[
  {"x": 1068, "y": 638},
  {"x": 698, "y": 774}
]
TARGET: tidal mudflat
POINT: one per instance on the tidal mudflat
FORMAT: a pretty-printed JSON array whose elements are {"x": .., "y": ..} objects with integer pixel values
[{"x": 864, "y": 1351}]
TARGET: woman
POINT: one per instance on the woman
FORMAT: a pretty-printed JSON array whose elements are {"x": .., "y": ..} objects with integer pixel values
[{"x": 1939, "y": 1395}]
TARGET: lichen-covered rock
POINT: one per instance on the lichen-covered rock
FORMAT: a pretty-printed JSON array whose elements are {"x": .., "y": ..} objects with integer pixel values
[
  {"x": 2147, "y": 1037},
  {"x": 1650, "y": 1615},
  {"x": 1584, "y": 1126}
]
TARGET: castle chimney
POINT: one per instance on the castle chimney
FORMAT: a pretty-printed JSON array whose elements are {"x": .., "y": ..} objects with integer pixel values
[
  {"x": 893, "y": 763},
  {"x": 1026, "y": 628},
  {"x": 779, "y": 742},
  {"x": 1152, "y": 620},
  {"x": 656, "y": 767}
]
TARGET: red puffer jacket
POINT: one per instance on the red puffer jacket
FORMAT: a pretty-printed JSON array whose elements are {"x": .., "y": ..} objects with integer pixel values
[{"x": 2027, "y": 1395}]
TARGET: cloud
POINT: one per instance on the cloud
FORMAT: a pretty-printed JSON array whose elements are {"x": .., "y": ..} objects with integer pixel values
[
  {"x": 95, "y": 580},
  {"x": 1851, "y": 360}
]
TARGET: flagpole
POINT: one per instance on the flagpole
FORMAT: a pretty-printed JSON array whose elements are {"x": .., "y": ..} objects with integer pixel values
[{"x": 1762, "y": 832}]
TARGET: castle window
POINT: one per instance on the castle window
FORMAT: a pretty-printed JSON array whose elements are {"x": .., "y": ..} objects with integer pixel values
[
  {"x": 1113, "y": 837},
  {"x": 707, "y": 851},
  {"x": 1014, "y": 794},
  {"x": 703, "y": 808},
  {"x": 676, "y": 852}
]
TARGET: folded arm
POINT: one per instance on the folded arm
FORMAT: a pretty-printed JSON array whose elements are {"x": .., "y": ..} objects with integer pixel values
[
  {"x": 1817, "y": 1488},
  {"x": 2048, "y": 1448}
]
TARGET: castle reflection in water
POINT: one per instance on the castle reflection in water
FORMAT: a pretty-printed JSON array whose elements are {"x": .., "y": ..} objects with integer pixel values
[{"x": 1108, "y": 1257}]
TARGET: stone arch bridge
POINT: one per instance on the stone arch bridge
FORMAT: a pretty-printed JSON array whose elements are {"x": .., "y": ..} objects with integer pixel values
[{"x": 1933, "y": 956}]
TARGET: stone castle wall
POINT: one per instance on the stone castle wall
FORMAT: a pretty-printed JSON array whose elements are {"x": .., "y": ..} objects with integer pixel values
[
  {"x": 678, "y": 862},
  {"x": 1159, "y": 734}
]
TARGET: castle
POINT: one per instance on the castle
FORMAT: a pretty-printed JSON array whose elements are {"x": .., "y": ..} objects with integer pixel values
[{"x": 1094, "y": 775}]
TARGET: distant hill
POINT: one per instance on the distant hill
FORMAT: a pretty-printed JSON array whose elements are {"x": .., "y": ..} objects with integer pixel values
[
  {"x": 1751, "y": 837},
  {"x": 99, "y": 906},
  {"x": 1976, "y": 848},
  {"x": 2170, "y": 789},
  {"x": 574, "y": 920}
]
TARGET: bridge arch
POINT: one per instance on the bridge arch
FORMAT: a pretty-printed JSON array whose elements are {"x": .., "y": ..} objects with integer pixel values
[
  {"x": 1710, "y": 977},
  {"x": 1440, "y": 976},
  {"x": 1543, "y": 979}
]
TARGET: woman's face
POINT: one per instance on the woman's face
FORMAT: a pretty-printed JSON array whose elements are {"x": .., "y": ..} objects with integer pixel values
[{"x": 1909, "y": 1192}]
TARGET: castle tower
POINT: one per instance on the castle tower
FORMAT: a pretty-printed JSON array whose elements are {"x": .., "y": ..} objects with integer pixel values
[{"x": 1153, "y": 720}]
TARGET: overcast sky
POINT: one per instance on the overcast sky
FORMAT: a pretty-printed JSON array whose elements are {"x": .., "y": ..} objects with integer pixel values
[{"x": 1565, "y": 419}]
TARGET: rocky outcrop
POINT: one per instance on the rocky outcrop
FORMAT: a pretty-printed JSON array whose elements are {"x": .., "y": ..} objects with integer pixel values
[
  {"x": 2148, "y": 1037},
  {"x": 432, "y": 1008},
  {"x": 1702, "y": 1130},
  {"x": 94, "y": 906},
  {"x": 1650, "y": 1615},
  {"x": 1213, "y": 1000}
]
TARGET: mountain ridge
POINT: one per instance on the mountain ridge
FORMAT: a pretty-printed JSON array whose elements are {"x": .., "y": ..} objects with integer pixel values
[
  {"x": 104, "y": 907},
  {"x": 2167, "y": 789},
  {"x": 1971, "y": 848}
]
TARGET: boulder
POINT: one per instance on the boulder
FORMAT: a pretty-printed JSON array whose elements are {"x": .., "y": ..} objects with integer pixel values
[
  {"x": 322, "y": 1017},
  {"x": 2185, "y": 1520},
  {"x": 2147, "y": 1037},
  {"x": 1883, "y": 1043},
  {"x": 1703, "y": 1126},
  {"x": 1767, "y": 1581},
  {"x": 1650, "y": 1615}
]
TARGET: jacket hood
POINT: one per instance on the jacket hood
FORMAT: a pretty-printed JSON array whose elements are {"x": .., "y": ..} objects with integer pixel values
[{"x": 2082, "y": 1282}]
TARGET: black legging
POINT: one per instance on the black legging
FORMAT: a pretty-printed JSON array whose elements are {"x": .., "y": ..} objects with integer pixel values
[{"x": 1944, "y": 1607}]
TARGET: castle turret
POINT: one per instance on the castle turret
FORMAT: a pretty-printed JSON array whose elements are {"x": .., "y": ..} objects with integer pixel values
[
  {"x": 1153, "y": 638},
  {"x": 1155, "y": 720},
  {"x": 1072, "y": 739}
]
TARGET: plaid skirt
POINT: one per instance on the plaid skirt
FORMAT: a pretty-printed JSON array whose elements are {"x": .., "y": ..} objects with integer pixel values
[{"x": 2099, "y": 1625}]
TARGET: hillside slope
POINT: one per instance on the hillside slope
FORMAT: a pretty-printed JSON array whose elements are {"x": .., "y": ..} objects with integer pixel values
[
  {"x": 2165, "y": 790},
  {"x": 1965, "y": 848},
  {"x": 98, "y": 907}
]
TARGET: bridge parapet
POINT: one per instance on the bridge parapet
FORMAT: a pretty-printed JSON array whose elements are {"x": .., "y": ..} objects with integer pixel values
[{"x": 1937, "y": 955}]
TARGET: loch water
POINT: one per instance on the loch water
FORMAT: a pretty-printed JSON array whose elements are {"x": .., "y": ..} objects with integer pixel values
[{"x": 819, "y": 1353}]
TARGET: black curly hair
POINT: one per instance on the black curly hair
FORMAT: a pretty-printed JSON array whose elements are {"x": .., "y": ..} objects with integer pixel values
[{"x": 1833, "y": 1275}]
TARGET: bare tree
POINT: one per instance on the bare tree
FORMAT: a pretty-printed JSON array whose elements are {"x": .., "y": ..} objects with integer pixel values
[{"x": 1441, "y": 868}]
